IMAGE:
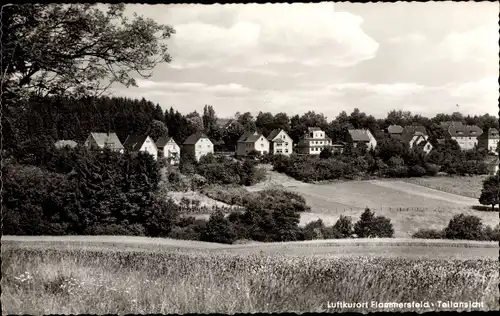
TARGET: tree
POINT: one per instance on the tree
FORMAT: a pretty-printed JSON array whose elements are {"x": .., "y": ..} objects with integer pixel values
[
  {"x": 52, "y": 49},
  {"x": 490, "y": 194},
  {"x": 246, "y": 120},
  {"x": 326, "y": 153},
  {"x": 343, "y": 227},
  {"x": 264, "y": 122},
  {"x": 281, "y": 121},
  {"x": 362, "y": 228},
  {"x": 463, "y": 226},
  {"x": 157, "y": 130},
  {"x": 218, "y": 229},
  {"x": 158, "y": 114},
  {"x": 209, "y": 120}
]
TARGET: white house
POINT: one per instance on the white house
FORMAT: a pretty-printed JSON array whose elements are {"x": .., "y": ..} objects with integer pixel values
[
  {"x": 280, "y": 142},
  {"x": 104, "y": 140},
  {"x": 142, "y": 143},
  {"x": 313, "y": 142},
  {"x": 465, "y": 135},
  {"x": 168, "y": 148},
  {"x": 198, "y": 145},
  {"x": 252, "y": 141}
]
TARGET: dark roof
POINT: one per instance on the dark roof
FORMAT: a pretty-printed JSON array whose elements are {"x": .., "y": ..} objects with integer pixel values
[
  {"x": 312, "y": 129},
  {"x": 103, "y": 139},
  {"x": 415, "y": 128},
  {"x": 395, "y": 129},
  {"x": 162, "y": 141},
  {"x": 447, "y": 124},
  {"x": 134, "y": 142},
  {"x": 273, "y": 134},
  {"x": 464, "y": 130},
  {"x": 249, "y": 137},
  {"x": 359, "y": 135},
  {"x": 63, "y": 143},
  {"x": 193, "y": 139}
]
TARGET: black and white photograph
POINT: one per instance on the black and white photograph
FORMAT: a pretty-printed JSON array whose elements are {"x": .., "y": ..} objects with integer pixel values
[{"x": 324, "y": 157}]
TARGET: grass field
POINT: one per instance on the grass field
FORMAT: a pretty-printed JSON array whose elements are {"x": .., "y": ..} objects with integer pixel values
[
  {"x": 466, "y": 186},
  {"x": 121, "y": 275}
]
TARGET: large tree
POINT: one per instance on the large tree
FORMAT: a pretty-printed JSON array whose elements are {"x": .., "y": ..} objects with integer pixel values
[
  {"x": 490, "y": 194},
  {"x": 53, "y": 49}
]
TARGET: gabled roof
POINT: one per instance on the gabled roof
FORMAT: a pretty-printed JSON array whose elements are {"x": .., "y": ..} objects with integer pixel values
[
  {"x": 359, "y": 135},
  {"x": 63, "y": 143},
  {"x": 395, "y": 129},
  {"x": 414, "y": 129},
  {"x": 103, "y": 139},
  {"x": 447, "y": 124},
  {"x": 278, "y": 140},
  {"x": 273, "y": 134},
  {"x": 464, "y": 131},
  {"x": 134, "y": 142},
  {"x": 249, "y": 137},
  {"x": 162, "y": 141},
  {"x": 493, "y": 133},
  {"x": 193, "y": 139}
]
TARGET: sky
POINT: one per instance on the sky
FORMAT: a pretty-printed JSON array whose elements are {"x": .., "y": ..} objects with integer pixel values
[{"x": 427, "y": 58}]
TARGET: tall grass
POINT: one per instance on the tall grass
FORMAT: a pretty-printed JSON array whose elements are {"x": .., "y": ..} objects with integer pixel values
[{"x": 46, "y": 281}]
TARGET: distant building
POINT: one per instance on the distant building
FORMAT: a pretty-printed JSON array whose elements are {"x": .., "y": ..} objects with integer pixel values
[
  {"x": 363, "y": 136},
  {"x": 104, "y": 140},
  {"x": 489, "y": 140},
  {"x": 280, "y": 142},
  {"x": 198, "y": 145},
  {"x": 65, "y": 144},
  {"x": 143, "y": 143},
  {"x": 465, "y": 135},
  {"x": 168, "y": 148},
  {"x": 394, "y": 130},
  {"x": 338, "y": 147},
  {"x": 313, "y": 142},
  {"x": 252, "y": 141}
]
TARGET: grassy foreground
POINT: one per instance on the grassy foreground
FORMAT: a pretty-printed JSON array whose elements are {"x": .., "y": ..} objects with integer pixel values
[{"x": 73, "y": 280}]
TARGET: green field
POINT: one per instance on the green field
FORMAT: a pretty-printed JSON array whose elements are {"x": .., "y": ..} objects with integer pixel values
[{"x": 99, "y": 275}]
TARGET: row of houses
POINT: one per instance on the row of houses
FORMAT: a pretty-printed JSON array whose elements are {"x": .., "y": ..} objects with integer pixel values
[{"x": 279, "y": 142}]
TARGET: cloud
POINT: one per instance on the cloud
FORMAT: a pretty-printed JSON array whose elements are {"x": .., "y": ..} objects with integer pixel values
[
  {"x": 253, "y": 34},
  {"x": 479, "y": 45},
  {"x": 412, "y": 38},
  {"x": 163, "y": 87}
]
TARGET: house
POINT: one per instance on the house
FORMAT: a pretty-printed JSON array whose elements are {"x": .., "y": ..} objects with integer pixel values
[
  {"x": 489, "y": 140},
  {"x": 313, "y": 142},
  {"x": 363, "y": 136},
  {"x": 414, "y": 135},
  {"x": 280, "y": 142},
  {"x": 198, "y": 145},
  {"x": 338, "y": 147},
  {"x": 465, "y": 135},
  {"x": 252, "y": 141},
  {"x": 424, "y": 144},
  {"x": 65, "y": 144},
  {"x": 394, "y": 131},
  {"x": 144, "y": 143},
  {"x": 104, "y": 140},
  {"x": 168, "y": 148}
]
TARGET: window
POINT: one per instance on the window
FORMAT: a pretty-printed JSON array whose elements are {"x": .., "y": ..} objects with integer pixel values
[
  {"x": 286, "y": 144},
  {"x": 261, "y": 145},
  {"x": 286, "y": 150},
  {"x": 278, "y": 144}
]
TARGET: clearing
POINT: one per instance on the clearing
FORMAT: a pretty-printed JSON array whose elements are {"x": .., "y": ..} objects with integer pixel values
[{"x": 409, "y": 206}]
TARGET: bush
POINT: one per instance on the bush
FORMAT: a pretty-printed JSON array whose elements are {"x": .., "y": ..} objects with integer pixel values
[
  {"x": 371, "y": 226},
  {"x": 314, "y": 230},
  {"x": 218, "y": 229},
  {"x": 417, "y": 171},
  {"x": 116, "y": 230},
  {"x": 431, "y": 169},
  {"x": 188, "y": 228},
  {"x": 429, "y": 234},
  {"x": 461, "y": 226},
  {"x": 343, "y": 228},
  {"x": 491, "y": 234}
]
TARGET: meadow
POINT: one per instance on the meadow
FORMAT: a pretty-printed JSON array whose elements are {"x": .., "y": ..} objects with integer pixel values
[
  {"x": 62, "y": 278},
  {"x": 466, "y": 186}
]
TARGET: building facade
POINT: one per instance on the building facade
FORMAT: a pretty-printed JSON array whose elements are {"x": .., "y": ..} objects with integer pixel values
[
  {"x": 252, "y": 141},
  {"x": 280, "y": 143},
  {"x": 313, "y": 142},
  {"x": 168, "y": 148},
  {"x": 363, "y": 136},
  {"x": 141, "y": 143},
  {"x": 465, "y": 135},
  {"x": 198, "y": 145}
]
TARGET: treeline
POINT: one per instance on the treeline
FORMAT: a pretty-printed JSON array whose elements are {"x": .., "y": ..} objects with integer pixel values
[{"x": 391, "y": 158}]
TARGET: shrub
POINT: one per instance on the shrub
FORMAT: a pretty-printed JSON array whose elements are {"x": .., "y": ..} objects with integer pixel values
[
  {"x": 417, "y": 171},
  {"x": 429, "y": 234},
  {"x": 463, "y": 226},
  {"x": 431, "y": 169},
  {"x": 116, "y": 230},
  {"x": 326, "y": 153},
  {"x": 343, "y": 228},
  {"x": 188, "y": 228},
  {"x": 218, "y": 229},
  {"x": 371, "y": 226},
  {"x": 314, "y": 230}
]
